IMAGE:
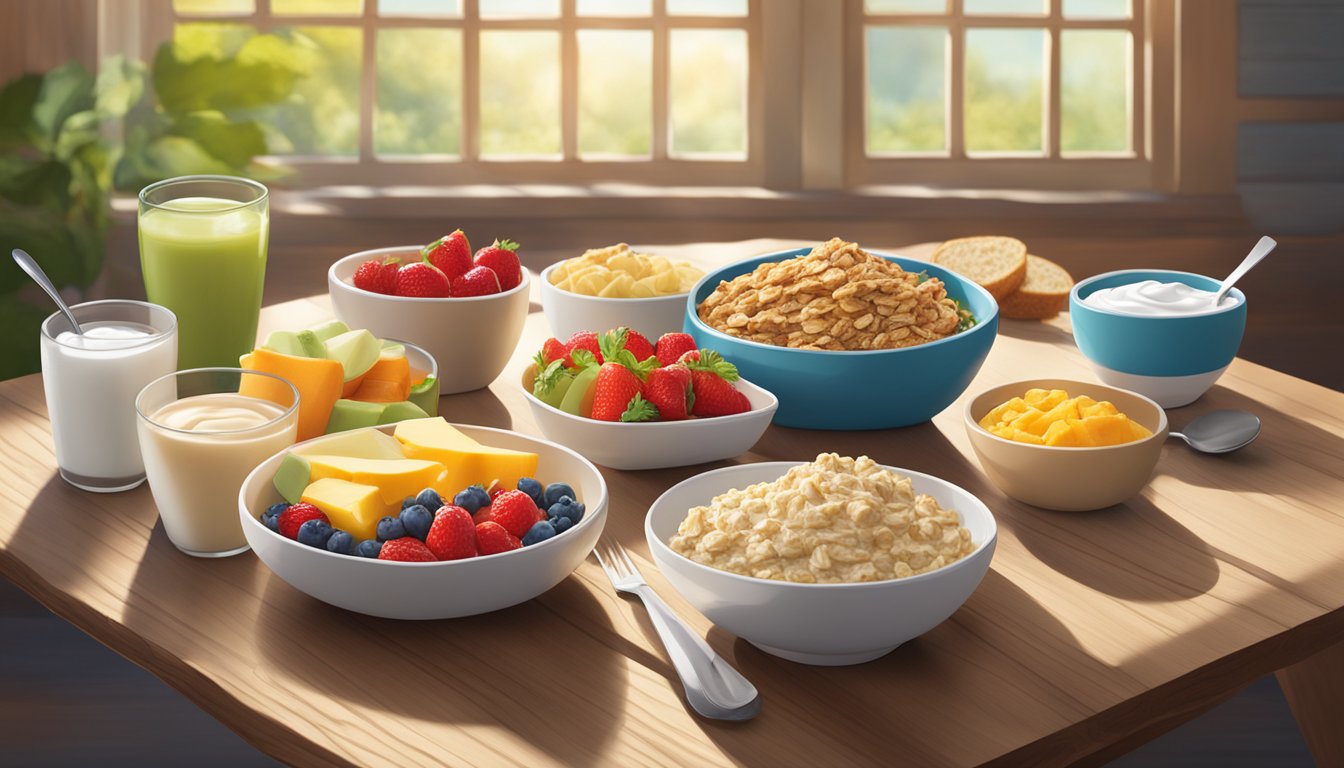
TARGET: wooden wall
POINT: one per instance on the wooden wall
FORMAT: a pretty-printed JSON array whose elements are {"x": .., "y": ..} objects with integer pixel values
[
  {"x": 1290, "y": 168},
  {"x": 38, "y": 35}
]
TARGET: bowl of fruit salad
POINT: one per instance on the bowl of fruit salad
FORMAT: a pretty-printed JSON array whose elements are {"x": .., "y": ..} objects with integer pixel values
[
  {"x": 612, "y": 286},
  {"x": 626, "y": 403},
  {"x": 466, "y": 311},
  {"x": 423, "y": 519}
]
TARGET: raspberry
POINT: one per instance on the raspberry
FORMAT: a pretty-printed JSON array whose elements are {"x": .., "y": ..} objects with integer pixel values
[
  {"x": 407, "y": 549},
  {"x": 491, "y": 538},
  {"x": 453, "y": 534},
  {"x": 515, "y": 511},
  {"x": 298, "y": 514}
]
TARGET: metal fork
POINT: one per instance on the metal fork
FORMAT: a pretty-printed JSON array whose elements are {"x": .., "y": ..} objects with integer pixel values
[{"x": 713, "y": 687}]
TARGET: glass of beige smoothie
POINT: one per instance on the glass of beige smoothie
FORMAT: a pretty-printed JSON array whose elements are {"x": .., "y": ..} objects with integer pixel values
[{"x": 201, "y": 432}]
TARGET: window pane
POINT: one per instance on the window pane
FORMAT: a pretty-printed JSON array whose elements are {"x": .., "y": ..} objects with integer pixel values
[
  {"x": 322, "y": 115},
  {"x": 707, "y": 7},
  {"x": 520, "y": 92},
  {"x": 420, "y": 115},
  {"x": 1094, "y": 90},
  {"x": 615, "y": 92},
  {"x": 317, "y": 7},
  {"x": 1096, "y": 9},
  {"x": 905, "y": 6},
  {"x": 708, "y": 89},
  {"x": 519, "y": 9},
  {"x": 1004, "y": 77},
  {"x": 422, "y": 8},
  {"x": 213, "y": 6},
  {"x": 1007, "y": 7},
  {"x": 907, "y": 93},
  {"x": 615, "y": 7}
]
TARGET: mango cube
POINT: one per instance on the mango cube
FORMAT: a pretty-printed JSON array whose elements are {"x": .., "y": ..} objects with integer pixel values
[
  {"x": 395, "y": 478},
  {"x": 466, "y": 461},
  {"x": 1051, "y": 417},
  {"x": 352, "y": 507}
]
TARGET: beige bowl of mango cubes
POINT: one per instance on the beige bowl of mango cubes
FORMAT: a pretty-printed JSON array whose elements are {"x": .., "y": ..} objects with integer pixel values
[{"x": 1068, "y": 479}]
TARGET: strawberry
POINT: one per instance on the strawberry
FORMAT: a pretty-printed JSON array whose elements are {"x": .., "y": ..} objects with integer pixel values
[
  {"x": 613, "y": 389},
  {"x": 492, "y": 538},
  {"x": 585, "y": 340},
  {"x": 297, "y": 515},
  {"x": 638, "y": 345},
  {"x": 407, "y": 549},
  {"x": 451, "y": 254},
  {"x": 712, "y": 380},
  {"x": 689, "y": 356},
  {"x": 477, "y": 281},
  {"x": 516, "y": 511},
  {"x": 452, "y": 536},
  {"x": 377, "y": 276},
  {"x": 483, "y": 515},
  {"x": 669, "y": 390},
  {"x": 502, "y": 257},
  {"x": 671, "y": 346},
  {"x": 553, "y": 349},
  {"x": 422, "y": 279}
]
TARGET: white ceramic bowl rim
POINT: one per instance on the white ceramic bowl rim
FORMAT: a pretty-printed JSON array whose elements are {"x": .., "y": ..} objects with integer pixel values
[
  {"x": 546, "y": 280},
  {"x": 665, "y": 425},
  {"x": 1074, "y": 294},
  {"x": 375, "y": 252},
  {"x": 374, "y": 562},
  {"x": 1159, "y": 433},
  {"x": 980, "y": 322},
  {"x": 785, "y": 466}
]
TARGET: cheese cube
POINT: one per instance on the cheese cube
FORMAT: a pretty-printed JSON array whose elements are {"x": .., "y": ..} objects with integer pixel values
[
  {"x": 466, "y": 461},
  {"x": 351, "y": 506}
]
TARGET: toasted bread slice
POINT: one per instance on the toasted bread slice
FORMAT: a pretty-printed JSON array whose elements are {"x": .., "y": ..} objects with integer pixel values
[
  {"x": 1045, "y": 292},
  {"x": 997, "y": 263}
]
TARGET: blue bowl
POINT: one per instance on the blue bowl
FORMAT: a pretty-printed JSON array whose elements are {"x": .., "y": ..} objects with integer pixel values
[
  {"x": 1171, "y": 360},
  {"x": 865, "y": 389}
]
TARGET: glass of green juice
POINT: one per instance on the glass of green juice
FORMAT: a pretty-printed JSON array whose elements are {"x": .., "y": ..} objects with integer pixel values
[{"x": 203, "y": 254}]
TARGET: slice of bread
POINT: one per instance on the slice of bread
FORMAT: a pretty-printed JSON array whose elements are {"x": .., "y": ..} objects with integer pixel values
[
  {"x": 1045, "y": 292},
  {"x": 997, "y": 263}
]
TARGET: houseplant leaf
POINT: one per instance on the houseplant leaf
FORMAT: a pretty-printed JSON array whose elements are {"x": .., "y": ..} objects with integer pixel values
[{"x": 65, "y": 90}]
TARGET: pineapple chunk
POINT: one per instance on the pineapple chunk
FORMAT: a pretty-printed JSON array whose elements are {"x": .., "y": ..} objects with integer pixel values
[{"x": 1051, "y": 417}]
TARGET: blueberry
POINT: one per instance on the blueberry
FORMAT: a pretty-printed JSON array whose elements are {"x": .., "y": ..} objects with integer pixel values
[
  {"x": 416, "y": 520},
  {"x": 341, "y": 542},
  {"x": 560, "y": 524},
  {"x": 472, "y": 499},
  {"x": 555, "y": 490},
  {"x": 390, "y": 528},
  {"x": 368, "y": 548},
  {"x": 429, "y": 499},
  {"x": 409, "y": 501},
  {"x": 532, "y": 488},
  {"x": 539, "y": 532},
  {"x": 276, "y": 509},
  {"x": 568, "y": 508},
  {"x": 271, "y": 517},
  {"x": 315, "y": 533}
]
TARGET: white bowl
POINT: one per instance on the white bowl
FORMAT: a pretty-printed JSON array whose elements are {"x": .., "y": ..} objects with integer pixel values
[
  {"x": 659, "y": 444},
  {"x": 472, "y": 338},
  {"x": 568, "y": 312},
  {"x": 397, "y": 590},
  {"x": 825, "y": 624}
]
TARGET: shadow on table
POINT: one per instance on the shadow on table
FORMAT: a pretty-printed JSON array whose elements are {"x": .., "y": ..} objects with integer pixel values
[{"x": 471, "y": 670}]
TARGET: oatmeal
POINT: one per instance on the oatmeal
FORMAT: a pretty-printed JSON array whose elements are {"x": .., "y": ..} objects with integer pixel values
[
  {"x": 835, "y": 520},
  {"x": 838, "y": 297}
]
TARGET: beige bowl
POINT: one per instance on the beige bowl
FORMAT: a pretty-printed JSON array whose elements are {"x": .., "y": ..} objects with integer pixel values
[
  {"x": 471, "y": 338},
  {"x": 1068, "y": 479}
]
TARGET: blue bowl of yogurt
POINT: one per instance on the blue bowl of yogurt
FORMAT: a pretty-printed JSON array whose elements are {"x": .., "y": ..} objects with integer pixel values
[{"x": 1157, "y": 332}]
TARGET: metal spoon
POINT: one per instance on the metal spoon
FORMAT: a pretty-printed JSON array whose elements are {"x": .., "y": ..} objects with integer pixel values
[
  {"x": 1260, "y": 251},
  {"x": 1220, "y": 431},
  {"x": 27, "y": 264}
]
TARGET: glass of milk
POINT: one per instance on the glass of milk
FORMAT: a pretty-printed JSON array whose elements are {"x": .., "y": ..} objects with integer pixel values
[
  {"x": 91, "y": 381},
  {"x": 202, "y": 431}
]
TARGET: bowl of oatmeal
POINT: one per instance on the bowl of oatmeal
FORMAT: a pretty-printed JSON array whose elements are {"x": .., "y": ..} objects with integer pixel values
[
  {"x": 831, "y": 562},
  {"x": 845, "y": 338}
]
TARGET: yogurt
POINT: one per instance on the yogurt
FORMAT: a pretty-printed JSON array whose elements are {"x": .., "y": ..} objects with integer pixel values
[{"x": 1149, "y": 298}]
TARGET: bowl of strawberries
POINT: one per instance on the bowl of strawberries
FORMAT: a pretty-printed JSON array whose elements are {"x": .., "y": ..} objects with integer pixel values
[
  {"x": 625, "y": 402},
  {"x": 466, "y": 309}
]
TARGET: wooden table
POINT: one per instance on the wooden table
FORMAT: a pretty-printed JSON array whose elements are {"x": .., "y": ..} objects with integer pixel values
[{"x": 1090, "y": 633}]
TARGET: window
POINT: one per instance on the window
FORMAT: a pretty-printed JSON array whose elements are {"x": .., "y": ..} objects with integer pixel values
[
  {"x": 461, "y": 91},
  {"x": 992, "y": 92}
]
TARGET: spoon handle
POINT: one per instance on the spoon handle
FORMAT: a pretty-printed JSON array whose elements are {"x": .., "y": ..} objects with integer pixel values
[
  {"x": 1260, "y": 251},
  {"x": 29, "y": 265}
]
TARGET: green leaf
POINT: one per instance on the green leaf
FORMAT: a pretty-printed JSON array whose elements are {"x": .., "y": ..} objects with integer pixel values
[
  {"x": 260, "y": 79},
  {"x": 713, "y": 362},
  {"x": 17, "y": 99},
  {"x": 235, "y": 144},
  {"x": 119, "y": 87},
  {"x": 551, "y": 376},
  {"x": 639, "y": 409},
  {"x": 43, "y": 233},
  {"x": 79, "y": 130},
  {"x": 582, "y": 359},
  {"x": 19, "y": 350},
  {"x": 43, "y": 184},
  {"x": 65, "y": 90},
  {"x": 171, "y": 156}
]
